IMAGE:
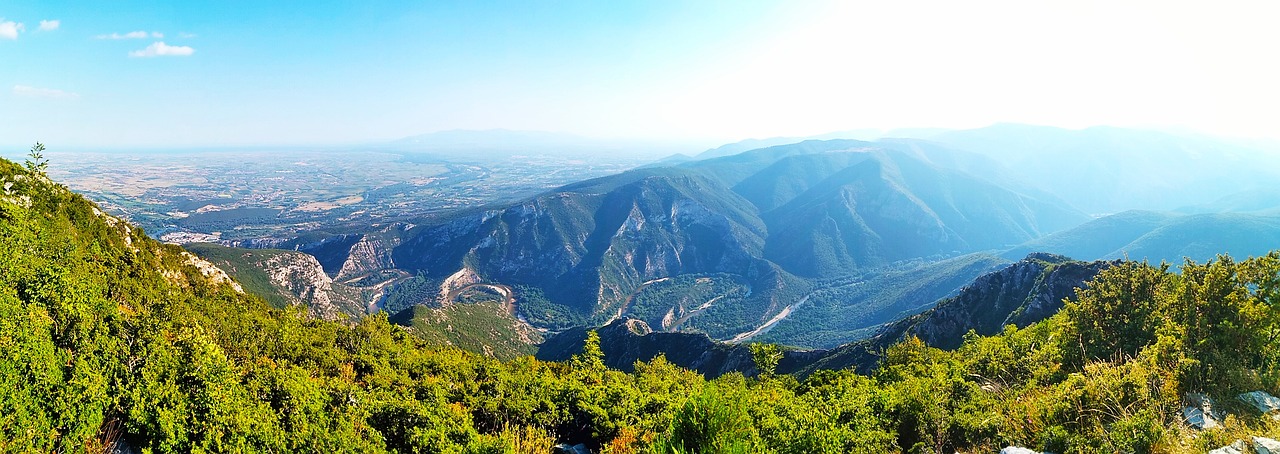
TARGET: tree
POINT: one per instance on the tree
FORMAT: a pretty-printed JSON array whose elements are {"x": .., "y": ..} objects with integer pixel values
[
  {"x": 1118, "y": 313},
  {"x": 36, "y": 162},
  {"x": 766, "y": 357},
  {"x": 591, "y": 358}
]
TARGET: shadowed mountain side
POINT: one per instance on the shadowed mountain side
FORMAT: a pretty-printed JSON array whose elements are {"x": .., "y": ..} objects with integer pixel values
[
  {"x": 626, "y": 341},
  {"x": 1021, "y": 294},
  {"x": 854, "y": 308}
]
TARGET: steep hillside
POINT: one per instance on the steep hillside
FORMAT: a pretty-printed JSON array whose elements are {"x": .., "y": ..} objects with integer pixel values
[
  {"x": 285, "y": 278},
  {"x": 1020, "y": 294},
  {"x": 1097, "y": 238},
  {"x": 890, "y": 208},
  {"x": 1202, "y": 237},
  {"x": 477, "y": 319},
  {"x": 850, "y": 308},
  {"x": 590, "y": 246},
  {"x": 483, "y": 327}
]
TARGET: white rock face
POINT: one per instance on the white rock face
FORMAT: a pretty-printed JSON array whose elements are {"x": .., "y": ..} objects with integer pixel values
[
  {"x": 456, "y": 281},
  {"x": 211, "y": 271},
  {"x": 367, "y": 255},
  {"x": 297, "y": 277},
  {"x": 1018, "y": 450},
  {"x": 125, "y": 230},
  {"x": 306, "y": 282}
]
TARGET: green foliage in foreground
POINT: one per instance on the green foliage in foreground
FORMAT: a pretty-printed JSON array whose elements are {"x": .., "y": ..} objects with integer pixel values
[{"x": 106, "y": 335}]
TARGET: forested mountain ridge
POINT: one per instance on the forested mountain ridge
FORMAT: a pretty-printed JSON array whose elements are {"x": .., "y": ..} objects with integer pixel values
[{"x": 109, "y": 338}]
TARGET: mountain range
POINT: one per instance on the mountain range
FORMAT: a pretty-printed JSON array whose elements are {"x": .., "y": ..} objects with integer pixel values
[
  {"x": 814, "y": 243},
  {"x": 115, "y": 342},
  {"x": 777, "y": 219}
]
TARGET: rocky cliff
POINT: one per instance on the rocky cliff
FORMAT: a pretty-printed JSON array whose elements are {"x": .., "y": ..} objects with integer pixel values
[{"x": 285, "y": 278}]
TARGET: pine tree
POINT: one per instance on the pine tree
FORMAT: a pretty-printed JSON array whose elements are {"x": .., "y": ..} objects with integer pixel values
[{"x": 36, "y": 162}]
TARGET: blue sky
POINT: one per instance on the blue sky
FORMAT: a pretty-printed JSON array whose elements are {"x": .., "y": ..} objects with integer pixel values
[{"x": 242, "y": 73}]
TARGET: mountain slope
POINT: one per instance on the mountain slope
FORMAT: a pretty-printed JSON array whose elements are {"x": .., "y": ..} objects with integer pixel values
[
  {"x": 285, "y": 278},
  {"x": 1020, "y": 294},
  {"x": 485, "y": 327},
  {"x": 891, "y": 207},
  {"x": 1161, "y": 236},
  {"x": 591, "y": 245},
  {"x": 854, "y": 307},
  {"x": 627, "y": 341},
  {"x": 1255, "y": 201}
]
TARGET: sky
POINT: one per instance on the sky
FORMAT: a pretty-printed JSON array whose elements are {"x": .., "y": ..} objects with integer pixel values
[{"x": 114, "y": 74}]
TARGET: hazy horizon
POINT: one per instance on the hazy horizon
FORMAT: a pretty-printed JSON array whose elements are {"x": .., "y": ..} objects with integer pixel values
[{"x": 211, "y": 75}]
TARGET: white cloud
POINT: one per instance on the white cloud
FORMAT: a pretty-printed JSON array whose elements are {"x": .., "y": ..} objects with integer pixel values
[
  {"x": 35, "y": 92},
  {"x": 49, "y": 25},
  {"x": 10, "y": 29},
  {"x": 185, "y": 35},
  {"x": 157, "y": 35},
  {"x": 131, "y": 35},
  {"x": 160, "y": 49}
]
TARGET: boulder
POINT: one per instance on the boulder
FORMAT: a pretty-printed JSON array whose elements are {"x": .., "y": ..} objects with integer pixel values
[
  {"x": 1265, "y": 403},
  {"x": 1266, "y": 445},
  {"x": 565, "y": 448},
  {"x": 1018, "y": 450},
  {"x": 1239, "y": 447},
  {"x": 1199, "y": 412}
]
